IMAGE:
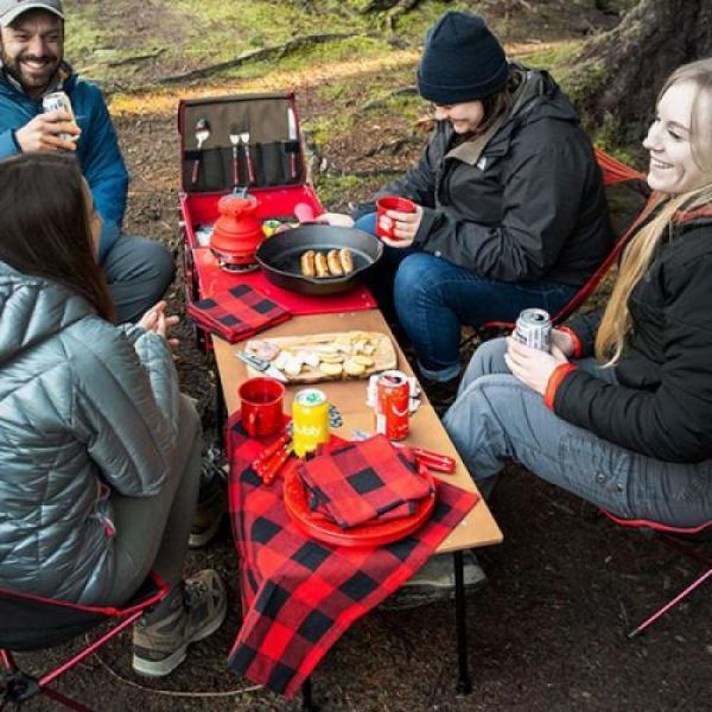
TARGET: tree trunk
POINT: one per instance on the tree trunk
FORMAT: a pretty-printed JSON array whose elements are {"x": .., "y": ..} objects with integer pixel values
[{"x": 617, "y": 75}]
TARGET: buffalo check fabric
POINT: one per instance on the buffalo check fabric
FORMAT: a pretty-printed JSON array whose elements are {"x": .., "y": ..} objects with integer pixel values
[
  {"x": 299, "y": 595},
  {"x": 364, "y": 481},
  {"x": 237, "y": 313}
]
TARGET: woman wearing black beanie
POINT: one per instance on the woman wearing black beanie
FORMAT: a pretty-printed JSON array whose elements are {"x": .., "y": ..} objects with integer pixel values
[{"x": 511, "y": 207}]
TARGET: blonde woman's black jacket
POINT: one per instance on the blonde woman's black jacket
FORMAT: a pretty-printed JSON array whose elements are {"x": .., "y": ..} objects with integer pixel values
[
  {"x": 528, "y": 205},
  {"x": 663, "y": 405}
]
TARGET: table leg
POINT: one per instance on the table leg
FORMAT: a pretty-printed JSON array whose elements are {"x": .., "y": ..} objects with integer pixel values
[
  {"x": 464, "y": 685},
  {"x": 307, "y": 700},
  {"x": 220, "y": 409}
]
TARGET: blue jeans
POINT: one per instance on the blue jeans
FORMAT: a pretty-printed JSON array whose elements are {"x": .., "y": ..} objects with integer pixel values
[
  {"x": 496, "y": 417},
  {"x": 434, "y": 298}
]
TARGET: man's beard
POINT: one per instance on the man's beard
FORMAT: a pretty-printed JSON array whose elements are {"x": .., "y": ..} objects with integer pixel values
[{"x": 31, "y": 83}]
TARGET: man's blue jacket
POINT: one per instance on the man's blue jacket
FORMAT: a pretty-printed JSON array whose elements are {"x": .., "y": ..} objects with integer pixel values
[{"x": 97, "y": 149}]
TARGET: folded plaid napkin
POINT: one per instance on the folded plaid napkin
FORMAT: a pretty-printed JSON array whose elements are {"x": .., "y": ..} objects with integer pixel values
[
  {"x": 300, "y": 596},
  {"x": 362, "y": 481},
  {"x": 320, "y": 512},
  {"x": 236, "y": 314}
]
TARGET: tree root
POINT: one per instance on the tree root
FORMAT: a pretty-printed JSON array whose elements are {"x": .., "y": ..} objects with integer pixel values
[{"x": 258, "y": 55}]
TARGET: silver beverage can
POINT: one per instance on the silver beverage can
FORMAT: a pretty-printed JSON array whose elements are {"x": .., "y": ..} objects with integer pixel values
[
  {"x": 55, "y": 101},
  {"x": 533, "y": 328}
]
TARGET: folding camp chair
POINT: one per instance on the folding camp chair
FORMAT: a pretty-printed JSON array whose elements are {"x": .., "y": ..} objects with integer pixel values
[
  {"x": 614, "y": 173},
  {"x": 31, "y": 623},
  {"x": 674, "y": 537}
]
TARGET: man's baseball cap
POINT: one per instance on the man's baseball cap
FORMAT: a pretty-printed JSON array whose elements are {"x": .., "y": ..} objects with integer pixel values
[{"x": 12, "y": 9}]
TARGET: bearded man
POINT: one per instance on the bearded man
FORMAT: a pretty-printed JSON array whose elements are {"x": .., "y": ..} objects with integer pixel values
[{"x": 32, "y": 65}]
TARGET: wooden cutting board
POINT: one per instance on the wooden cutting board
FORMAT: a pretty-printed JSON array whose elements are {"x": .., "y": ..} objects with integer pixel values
[{"x": 317, "y": 357}]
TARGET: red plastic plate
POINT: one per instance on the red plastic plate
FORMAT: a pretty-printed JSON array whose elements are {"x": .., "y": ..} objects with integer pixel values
[{"x": 297, "y": 506}]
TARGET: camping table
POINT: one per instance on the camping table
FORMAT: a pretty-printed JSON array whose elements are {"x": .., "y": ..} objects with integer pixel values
[{"x": 477, "y": 529}]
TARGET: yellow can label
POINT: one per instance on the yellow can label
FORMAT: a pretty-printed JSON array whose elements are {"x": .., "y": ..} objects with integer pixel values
[
  {"x": 269, "y": 227},
  {"x": 310, "y": 421}
]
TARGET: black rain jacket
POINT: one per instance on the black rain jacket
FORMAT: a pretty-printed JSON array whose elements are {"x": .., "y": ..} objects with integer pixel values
[
  {"x": 530, "y": 206},
  {"x": 662, "y": 406}
]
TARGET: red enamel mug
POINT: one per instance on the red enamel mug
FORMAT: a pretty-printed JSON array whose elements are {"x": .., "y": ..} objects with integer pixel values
[
  {"x": 384, "y": 223},
  {"x": 261, "y": 406}
]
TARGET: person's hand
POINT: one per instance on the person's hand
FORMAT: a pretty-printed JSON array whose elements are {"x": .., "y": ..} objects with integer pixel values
[
  {"x": 563, "y": 341},
  {"x": 336, "y": 219},
  {"x": 532, "y": 366},
  {"x": 42, "y": 133},
  {"x": 155, "y": 320},
  {"x": 404, "y": 226}
]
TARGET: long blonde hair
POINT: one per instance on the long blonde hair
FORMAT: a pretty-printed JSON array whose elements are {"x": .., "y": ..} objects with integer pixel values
[{"x": 638, "y": 255}]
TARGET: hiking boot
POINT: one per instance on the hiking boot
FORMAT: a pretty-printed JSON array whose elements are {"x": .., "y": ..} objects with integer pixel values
[
  {"x": 161, "y": 646},
  {"x": 212, "y": 504},
  {"x": 435, "y": 582},
  {"x": 441, "y": 394}
]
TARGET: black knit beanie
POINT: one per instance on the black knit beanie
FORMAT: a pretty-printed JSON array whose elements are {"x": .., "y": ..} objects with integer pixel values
[{"x": 462, "y": 61}]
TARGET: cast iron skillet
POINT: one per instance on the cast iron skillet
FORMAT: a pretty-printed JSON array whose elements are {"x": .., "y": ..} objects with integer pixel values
[{"x": 279, "y": 257}]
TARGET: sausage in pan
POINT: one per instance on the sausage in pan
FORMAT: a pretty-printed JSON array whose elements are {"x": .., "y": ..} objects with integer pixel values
[
  {"x": 322, "y": 266},
  {"x": 306, "y": 264},
  {"x": 347, "y": 260},
  {"x": 333, "y": 260}
]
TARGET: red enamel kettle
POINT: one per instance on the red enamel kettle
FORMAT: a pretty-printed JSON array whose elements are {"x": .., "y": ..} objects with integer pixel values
[{"x": 237, "y": 233}]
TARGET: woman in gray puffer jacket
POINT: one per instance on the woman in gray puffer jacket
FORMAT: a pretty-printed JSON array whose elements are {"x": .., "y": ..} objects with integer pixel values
[{"x": 99, "y": 452}]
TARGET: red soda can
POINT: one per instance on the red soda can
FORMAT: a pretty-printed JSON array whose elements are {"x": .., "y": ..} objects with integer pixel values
[{"x": 392, "y": 405}]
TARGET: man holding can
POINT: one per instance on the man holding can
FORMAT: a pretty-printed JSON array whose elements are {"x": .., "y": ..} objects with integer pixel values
[{"x": 32, "y": 66}]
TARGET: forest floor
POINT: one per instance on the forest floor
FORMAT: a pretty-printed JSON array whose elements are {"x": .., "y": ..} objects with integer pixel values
[{"x": 548, "y": 631}]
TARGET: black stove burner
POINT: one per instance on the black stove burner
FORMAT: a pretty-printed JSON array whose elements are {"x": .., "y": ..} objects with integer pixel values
[{"x": 238, "y": 269}]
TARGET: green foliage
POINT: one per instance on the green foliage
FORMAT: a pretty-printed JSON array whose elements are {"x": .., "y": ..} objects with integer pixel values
[
  {"x": 554, "y": 58},
  {"x": 334, "y": 189},
  {"x": 338, "y": 193},
  {"x": 88, "y": 44},
  {"x": 225, "y": 30}
]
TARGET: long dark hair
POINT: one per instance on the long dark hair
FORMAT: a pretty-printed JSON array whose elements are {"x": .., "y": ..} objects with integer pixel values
[
  {"x": 495, "y": 105},
  {"x": 44, "y": 225}
]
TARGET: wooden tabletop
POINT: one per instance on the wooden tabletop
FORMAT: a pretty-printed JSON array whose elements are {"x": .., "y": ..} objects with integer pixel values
[{"x": 478, "y": 528}]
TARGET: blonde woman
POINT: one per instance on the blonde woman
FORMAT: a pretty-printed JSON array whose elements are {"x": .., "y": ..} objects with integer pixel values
[{"x": 631, "y": 428}]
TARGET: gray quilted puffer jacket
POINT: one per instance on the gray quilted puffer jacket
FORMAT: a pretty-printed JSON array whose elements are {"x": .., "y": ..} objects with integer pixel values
[{"x": 86, "y": 408}]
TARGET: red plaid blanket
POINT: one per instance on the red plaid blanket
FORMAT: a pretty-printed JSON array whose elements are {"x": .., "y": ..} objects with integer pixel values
[
  {"x": 299, "y": 595},
  {"x": 364, "y": 480},
  {"x": 237, "y": 313}
]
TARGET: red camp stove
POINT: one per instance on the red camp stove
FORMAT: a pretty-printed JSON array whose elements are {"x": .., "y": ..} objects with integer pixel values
[{"x": 237, "y": 233}]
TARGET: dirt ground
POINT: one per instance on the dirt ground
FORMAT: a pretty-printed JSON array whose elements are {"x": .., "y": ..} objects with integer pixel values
[{"x": 546, "y": 633}]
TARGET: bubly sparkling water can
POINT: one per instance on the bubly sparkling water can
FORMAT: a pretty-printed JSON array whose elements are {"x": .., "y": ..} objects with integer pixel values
[
  {"x": 392, "y": 405},
  {"x": 533, "y": 328},
  {"x": 310, "y": 421},
  {"x": 55, "y": 101}
]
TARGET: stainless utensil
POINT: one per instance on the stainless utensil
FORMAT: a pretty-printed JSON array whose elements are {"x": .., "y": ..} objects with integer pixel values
[
  {"x": 202, "y": 134},
  {"x": 293, "y": 136},
  {"x": 262, "y": 365},
  {"x": 235, "y": 138},
  {"x": 245, "y": 140}
]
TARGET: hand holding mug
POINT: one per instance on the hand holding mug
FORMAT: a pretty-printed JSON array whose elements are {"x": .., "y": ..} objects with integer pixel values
[{"x": 397, "y": 220}]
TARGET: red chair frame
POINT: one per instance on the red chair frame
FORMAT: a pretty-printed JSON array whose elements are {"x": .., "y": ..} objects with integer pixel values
[
  {"x": 614, "y": 172},
  {"x": 53, "y": 622},
  {"x": 672, "y": 537}
]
